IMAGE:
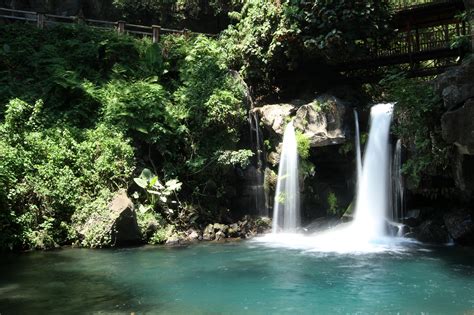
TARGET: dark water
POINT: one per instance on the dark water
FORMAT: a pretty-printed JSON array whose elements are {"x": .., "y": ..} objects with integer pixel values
[{"x": 237, "y": 278}]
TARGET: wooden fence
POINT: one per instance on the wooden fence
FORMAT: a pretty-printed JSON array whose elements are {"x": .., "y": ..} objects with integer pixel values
[{"x": 43, "y": 20}]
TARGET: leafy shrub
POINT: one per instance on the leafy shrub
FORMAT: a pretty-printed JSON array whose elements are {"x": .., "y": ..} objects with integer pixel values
[
  {"x": 270, "y": 38},
  {"x": 303, "y": 145},
  {"x": 333, "y": 204},
  {"x": 417, "y": 118},
  {"x": 46, "y": 172},
  {"x": 66, "y": 140}
]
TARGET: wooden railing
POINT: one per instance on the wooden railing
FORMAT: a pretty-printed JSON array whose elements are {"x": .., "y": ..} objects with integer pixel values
[
  {"x": 45, "y": 20},
  {"x": 418, "y": 41}
]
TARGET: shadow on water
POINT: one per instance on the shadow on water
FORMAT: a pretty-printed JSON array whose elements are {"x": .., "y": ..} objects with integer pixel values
[{"x": 69, "y": 281}]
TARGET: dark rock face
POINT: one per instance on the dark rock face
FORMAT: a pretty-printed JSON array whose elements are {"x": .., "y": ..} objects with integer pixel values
[
  {"x": 125, "y": 230},
  {"x": 460, "y": 225},
  {"x": 455, "y": 85},
  {"x": 432, "y": 231},
  {"x": 458, "y": 127}
]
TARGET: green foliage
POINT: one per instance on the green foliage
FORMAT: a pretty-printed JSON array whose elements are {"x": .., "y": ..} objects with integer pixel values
[
  {"x": 49, "y": 173},
  {"x": 333, "y": 204},
  {"x": 417, "y": 122},
  {"x": 303, "y": 145},
  {"x": 235, "y": 158},
  {"x": 162, "y": 234},
  {"x": 271, "y": 37},
  {"x": 73, "y": 101},
  {"x": 171, "y": 12}
]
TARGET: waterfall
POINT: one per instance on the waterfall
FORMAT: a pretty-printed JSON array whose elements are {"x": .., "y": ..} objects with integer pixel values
[
  {"x": 357, "y": 145},
  {"x": 286, "y": 216},
  {"x": 372, "y": 200},
  {"x": 259, "y": 193},
  {"x": 398, "y": 188}
]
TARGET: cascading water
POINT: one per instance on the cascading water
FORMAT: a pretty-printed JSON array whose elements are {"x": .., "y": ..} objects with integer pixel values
[
  {"x": 372, "y": 192},
  {"x": 286, "y": 216},
  {"x": 357, "y": 144},
  {"x": 259, "y": 192},
  {"x": 397, "y": 183},
  {"x": 367, "y": 232}
]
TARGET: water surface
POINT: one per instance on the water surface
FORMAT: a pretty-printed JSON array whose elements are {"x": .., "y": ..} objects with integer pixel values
[{"x": 237, "y": 278}]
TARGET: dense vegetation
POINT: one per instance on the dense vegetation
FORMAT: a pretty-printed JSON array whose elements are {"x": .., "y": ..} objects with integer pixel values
[
  {"x": 272, "y": 38},
  {"x": 418, "y": 123},
  {"x": 84, "y": 111}
]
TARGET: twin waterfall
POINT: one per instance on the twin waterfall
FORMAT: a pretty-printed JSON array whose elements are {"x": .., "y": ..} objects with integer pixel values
[
  {"x": 286, "y": 209},
  {"x": 373, "y": 188},
  {"x": 373, "y": 198}
]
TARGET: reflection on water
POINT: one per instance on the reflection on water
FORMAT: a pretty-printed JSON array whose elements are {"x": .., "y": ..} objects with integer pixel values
[{"x": 237, "y": 278}]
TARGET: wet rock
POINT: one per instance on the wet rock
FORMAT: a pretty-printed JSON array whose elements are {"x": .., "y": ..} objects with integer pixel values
[
  {"x": 455, "y": 85},
  {"x": 209, "y": 234},
  {"x": 412, "y": 218},
  {"x": 322, "y": 224},
  {"x": 322, "y": 121},
  {"x": 234, "y": 230},
  {"x": 460, "y": 226},
  {"x": 432, "y": 231},
  {"x": 124, "y": 230},
  {"x": 220, "y": 235},
  {"x": 220, "y": 227},
  {"x": 274, "y": 116},
  {"x": 173, "y": 240},
  {"x": 192, "y": 235},
  {"x": 458, "y": 127}
]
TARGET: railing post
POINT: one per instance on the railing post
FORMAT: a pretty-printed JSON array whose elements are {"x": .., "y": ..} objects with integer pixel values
[
  {"x": 40, "y": 20},
  {"x": 121, "y": 27},
  {"x": 186, "y": 32},
  {"x": 156, "y": 30}
]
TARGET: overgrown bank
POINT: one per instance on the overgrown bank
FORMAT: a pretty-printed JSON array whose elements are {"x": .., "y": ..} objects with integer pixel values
[{"x": 84, "y": 111}]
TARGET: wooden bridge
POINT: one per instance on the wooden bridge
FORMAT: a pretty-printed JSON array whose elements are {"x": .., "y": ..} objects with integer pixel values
[
  {"x": 428, "y": 40},
  {"x": 424, "y": 42}
]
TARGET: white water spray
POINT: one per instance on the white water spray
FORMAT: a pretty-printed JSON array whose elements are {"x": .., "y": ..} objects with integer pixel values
[
  {"x": 373, "y": 189},
  {"x": 367, "y": 233},
  {"x": 286, "y": 209}
]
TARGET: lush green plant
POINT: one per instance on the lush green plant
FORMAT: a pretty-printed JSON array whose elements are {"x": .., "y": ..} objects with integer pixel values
[
  {"x": 303, "y": 145},
  {"x": 272, "y": 37},
  {"x": 333, "y": 204},
  {"x": 47, "y": 172},
  {"x": 235, "y": 158},
  {"x": 417, "y": 122}
]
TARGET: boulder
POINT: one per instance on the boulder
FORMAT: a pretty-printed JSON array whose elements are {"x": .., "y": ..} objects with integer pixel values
[
  {"x": 322, "y": 121},
  {"x": 460, "y": 226},
  {"x": 431, "y": 231},
  {"x": 192, "y": 235},
  {"x": 412, "y": 217},
  {"x": 274, "y": 116},
  {"x": 173, "y": 240},
  {"x": 456, "y": 85},
  {"x": 209, "y": 234},
  {"x": 220, "y": 227},
  {"x": 234, "y": 230},
  {"x": 124, "y": 230},
  {"x": 458, "y": 127},
  {"x": 220, "y": 235}
]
